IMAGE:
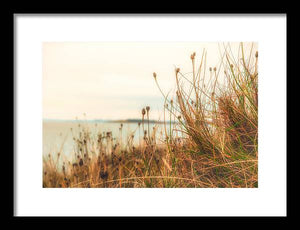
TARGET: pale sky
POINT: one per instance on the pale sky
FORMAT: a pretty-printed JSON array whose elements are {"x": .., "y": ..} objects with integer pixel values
[{"x": 114, "y": 80}]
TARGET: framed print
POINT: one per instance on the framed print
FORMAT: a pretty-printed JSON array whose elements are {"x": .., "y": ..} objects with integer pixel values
[{"x": 150, "y": 115}]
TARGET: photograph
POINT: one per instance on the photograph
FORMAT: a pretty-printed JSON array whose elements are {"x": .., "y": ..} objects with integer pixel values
[{"x": 150, "y": 114}]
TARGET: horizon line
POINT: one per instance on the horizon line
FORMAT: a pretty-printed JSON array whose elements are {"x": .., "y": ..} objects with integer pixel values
[{"x": 105, "y": 120}]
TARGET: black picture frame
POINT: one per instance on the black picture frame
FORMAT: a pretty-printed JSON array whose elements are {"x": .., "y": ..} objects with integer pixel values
[{"x": 12, "y": 82}]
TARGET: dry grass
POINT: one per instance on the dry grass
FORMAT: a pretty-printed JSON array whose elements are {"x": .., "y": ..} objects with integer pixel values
[{"x": 213, "y": 144}]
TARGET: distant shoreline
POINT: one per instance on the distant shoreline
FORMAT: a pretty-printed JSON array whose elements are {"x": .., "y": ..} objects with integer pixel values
[{"x": 108, "y": 121}]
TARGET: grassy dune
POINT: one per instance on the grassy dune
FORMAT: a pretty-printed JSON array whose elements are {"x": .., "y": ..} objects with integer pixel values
[{"x": 212, "y": 141}]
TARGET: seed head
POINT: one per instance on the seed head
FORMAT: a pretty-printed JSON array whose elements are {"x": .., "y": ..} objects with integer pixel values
[
  {"x": 256, "y": 54},
  {"x": 215, "y": 69},
  {"x": 147, "y": 108},
  {"x": 143, "y": 111},
  {"x": 193, "y": 56},
  {"x": 210, "y": 69},
  {"x": 177, "y": 70},
  {"x": 103, "y": 175},
  {"x": 154, "y": 75}
]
